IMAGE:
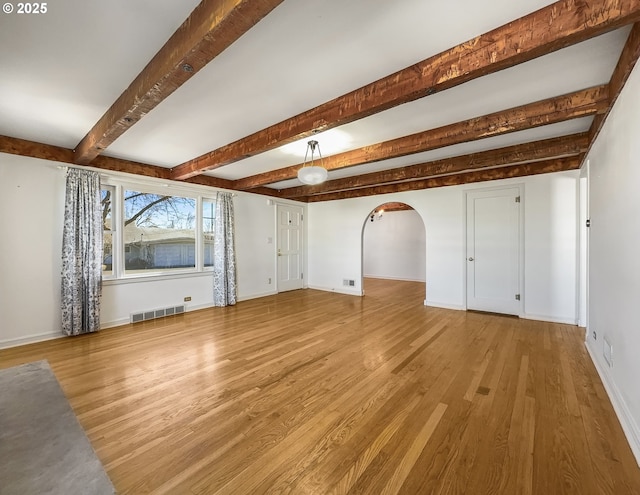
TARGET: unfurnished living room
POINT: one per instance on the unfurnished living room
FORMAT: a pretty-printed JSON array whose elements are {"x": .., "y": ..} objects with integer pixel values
[{"x": 336, "y": 247}]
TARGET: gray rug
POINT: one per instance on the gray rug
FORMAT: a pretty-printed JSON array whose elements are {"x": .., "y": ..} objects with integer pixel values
[{"x": 43, "y": 448}]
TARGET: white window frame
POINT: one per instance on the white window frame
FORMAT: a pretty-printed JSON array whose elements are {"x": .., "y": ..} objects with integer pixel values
[{"x": 118, "y": 188}]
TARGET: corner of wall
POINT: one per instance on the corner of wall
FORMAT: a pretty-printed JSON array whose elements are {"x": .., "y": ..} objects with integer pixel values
[
  {"x": 629, "y": 426},
  {"x": 444, "y": 305}
]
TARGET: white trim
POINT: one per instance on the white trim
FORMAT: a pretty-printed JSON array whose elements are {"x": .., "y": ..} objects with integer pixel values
[
  {"x": 444, "y": 305},
  {"x": 156, "y": 277},
  {"x": 115, "y": 323},
  {"x": 629, "y": 426},
  {"x": 257, "y": 295},
  {"x": 551, "y": 319},
  {"x": 31, "y": 339},
  {"x": 401, "y": 279},
  {"x": 338, "y": 291}
]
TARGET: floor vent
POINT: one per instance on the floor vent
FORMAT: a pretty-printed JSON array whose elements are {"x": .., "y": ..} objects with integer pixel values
[{"x": 157, "y": 313}]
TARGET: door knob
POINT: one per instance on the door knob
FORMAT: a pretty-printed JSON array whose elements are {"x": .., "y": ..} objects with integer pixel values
[
  {"x": 279, "y": 253},
  {"x": 470, "y": 258}
]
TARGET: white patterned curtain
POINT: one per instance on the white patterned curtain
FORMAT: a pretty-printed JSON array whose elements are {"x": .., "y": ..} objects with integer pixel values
[
  {"x": 224, "y": 252},
  {"x": 81, "y": 253}
]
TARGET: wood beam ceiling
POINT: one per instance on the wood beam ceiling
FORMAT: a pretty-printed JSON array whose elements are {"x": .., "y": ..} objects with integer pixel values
[
  {"x": 556, "y": 26},
  {"x": 22, "y": 147},
  {"x": 211, "y": 28},
  {"x": 521, "y": 153},
  {"x": 552, "y": 110},
  {"x": 520, "y": 170}
]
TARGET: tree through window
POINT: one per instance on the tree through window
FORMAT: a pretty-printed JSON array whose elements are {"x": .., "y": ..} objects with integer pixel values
[{"x": 159, "y": 232}]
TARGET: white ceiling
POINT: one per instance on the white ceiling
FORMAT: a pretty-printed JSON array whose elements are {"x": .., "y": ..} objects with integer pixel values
[{"x": 61, "y": 71}]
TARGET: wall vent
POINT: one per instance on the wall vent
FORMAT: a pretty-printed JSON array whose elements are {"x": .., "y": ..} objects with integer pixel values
[{"x": 157, "y": 313}]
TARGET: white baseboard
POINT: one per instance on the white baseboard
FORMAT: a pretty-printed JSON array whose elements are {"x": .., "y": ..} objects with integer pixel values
[
  {"x": 629, "y": 426},
  {"x": 340, "y": 290},
  {"x": 550, "y": 319},
  {"x": 444, "y": 305},
  {"x": 31, "y": 339},
  {"x": 257, "y": 295},
  {"x": 401, "y": 279},
  {"x": 114, "y": 323}
]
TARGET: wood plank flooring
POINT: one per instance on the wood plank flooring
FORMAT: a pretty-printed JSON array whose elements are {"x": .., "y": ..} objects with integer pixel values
[{"x": 310, "y": 392}]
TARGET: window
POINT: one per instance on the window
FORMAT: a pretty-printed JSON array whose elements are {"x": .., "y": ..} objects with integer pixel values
[
  {"x": 159, "y": 232},
  {"x": 208, "y": 224},
  {"x": 106, "y": 200},
  {"x": 148, "y": 232}
]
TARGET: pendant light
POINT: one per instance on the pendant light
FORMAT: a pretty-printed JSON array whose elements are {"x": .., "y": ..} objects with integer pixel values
[{"x": 310, "y": 173}]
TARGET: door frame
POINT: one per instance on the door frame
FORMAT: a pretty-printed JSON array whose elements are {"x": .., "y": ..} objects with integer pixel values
[
  {"x": 364, "y": 226},
  {"x": 303, "y": 258},
  {"x": 521, "y": 227},
  {"x": 582, "y": 291}
]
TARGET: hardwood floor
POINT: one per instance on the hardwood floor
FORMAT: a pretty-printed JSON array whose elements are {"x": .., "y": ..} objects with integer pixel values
[{"x": 311, "y": 392}]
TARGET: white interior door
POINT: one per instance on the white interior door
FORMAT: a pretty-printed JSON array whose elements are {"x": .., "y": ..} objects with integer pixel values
[
  {"x": 493, "y": 251},
  {"x": 289, "y": 247}
]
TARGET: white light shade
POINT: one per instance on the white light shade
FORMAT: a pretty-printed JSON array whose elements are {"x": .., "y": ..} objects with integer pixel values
[{"x": 312, "y": 175}]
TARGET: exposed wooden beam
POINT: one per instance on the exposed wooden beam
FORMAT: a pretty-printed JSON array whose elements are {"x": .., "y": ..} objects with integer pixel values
[
  {"x": 49, "y": 152},
  {"x": 16, "y": 146},
  {"x": 129, "y": 167},
  {"x": 33, "y": 149},
  {"x": 206, "y": 180},
  {"x": 211, "y": 28},
  {"x": 626, "y": 63},
  {"x": 527, "y": 152},
  {"x": 556, "y": 26},
  {"x": 520, "y": 170},
  {"x": 574, "y": 105}
]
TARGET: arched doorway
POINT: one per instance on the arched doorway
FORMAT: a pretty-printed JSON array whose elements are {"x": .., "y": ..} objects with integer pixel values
[{"x": 393, "y": 245}]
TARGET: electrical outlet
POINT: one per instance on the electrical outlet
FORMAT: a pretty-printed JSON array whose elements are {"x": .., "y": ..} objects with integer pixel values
[
  {"x": 595, "y": 336},
  {"x": 187, "y": 299},
  {"x": 269, "y": 280}
]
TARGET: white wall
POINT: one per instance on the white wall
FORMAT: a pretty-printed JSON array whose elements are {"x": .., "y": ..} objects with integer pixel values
[
  {"x": 32, "y": 207},
  {"x": 614, "y": 262},
  {"x": 394, "y": 246},
  {"x": 31, "y": 212},
  {"x": 551, "y": 247},
  {"x": 550, "y": 243}
]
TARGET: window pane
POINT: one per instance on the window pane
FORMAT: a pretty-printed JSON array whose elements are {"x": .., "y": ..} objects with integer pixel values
[
  {"x": 106, "y": 197},
  {"x": 106, "y": 200},
  {"x": 208, "y": 223},
  {"x": 107, "y": 254},
  {"x": 159, "y": 232}
]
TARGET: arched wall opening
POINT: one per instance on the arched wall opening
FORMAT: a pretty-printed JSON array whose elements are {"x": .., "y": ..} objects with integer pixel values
[{"x": 393, "y": 244}]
